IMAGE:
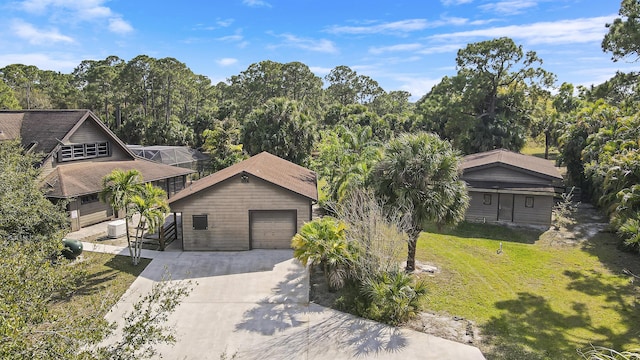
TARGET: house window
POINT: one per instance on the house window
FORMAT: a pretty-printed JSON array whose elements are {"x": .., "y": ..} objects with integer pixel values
[
  {"x": 487, "y": 199},
  {"x": 528, "y": 201},
  {"x": 87, "y": 199},
  {"x": 200, "y": 222},
  {"x": 83, "y": 151}
]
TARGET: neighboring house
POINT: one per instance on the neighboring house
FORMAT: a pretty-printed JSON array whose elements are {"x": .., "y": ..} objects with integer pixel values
[
  {"x": 505, "y": 186},
  {"x": 78, "y": 150},
  {"x": 259, "y": 203}
]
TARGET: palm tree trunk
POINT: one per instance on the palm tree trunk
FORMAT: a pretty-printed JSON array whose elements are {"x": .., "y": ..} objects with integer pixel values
[
  {"x": 126, "y": 224},
  {"x": 138, "y": 244},
  {"x": 411, "y": 253}
]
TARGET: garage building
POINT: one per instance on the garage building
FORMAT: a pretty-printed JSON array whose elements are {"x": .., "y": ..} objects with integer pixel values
[{"x": 259, "y": 203}]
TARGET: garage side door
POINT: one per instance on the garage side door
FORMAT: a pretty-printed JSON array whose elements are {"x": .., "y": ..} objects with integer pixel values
[{"x": 272, "y": 229}]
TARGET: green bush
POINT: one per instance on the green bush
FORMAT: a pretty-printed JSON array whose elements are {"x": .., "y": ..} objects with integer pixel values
[
  {"x": 388, "y": 297},
  {"x": 393, "y": 298},
  {"x": 322, "y": 242}
]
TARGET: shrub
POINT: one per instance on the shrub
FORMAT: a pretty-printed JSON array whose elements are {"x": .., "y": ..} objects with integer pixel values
[
  {"x": 323, "y": 242},
  {"x": 360, "y": 255},
  {"x": 393, "y": 298}
]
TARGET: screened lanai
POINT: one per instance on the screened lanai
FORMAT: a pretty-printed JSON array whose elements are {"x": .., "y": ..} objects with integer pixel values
[{"x": 181, "y": 156}]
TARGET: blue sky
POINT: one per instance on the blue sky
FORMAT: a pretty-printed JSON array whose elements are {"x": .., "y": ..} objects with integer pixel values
[{"x": 404, "y": 45}]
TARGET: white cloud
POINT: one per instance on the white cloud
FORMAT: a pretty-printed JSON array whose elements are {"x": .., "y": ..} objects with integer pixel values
[
  {"x": 319, "y": 45},
  {"x": 230, "y": 38},
  {"x": 78, "y": 10},
  {"x": 455, "y": 2},
  {"x": 88, "y": 8},
  {"x": 226, "y": 61},
  {"x": 441, "y": 49},
  {"x": 42, "y": 61},
  {"x": 417, "y": 86},
  {"x": 402, "y": 26},
  {"x": 320, "y": 71},
  {"x": 119, "y": 26},
  {"x": 36, "y": 36},
  {"x": 510, "y": 7},
  {"x": 224, "y": 22},
  {"x": 558, "y": 32},
  {"x": 236, "y": 37},
  {"x": 256, "y": 3},
  {"x": 417, "y": 48},
  {"x": 395, "y": 48}
]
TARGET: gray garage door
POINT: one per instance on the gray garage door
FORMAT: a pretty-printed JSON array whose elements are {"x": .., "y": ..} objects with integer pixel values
[{"x": 272, "y": 229}]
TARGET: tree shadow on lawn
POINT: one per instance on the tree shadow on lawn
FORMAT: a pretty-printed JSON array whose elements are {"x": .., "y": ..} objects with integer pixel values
[
  {"x": 470, "y": 230},
  {"x": 293, "y": 333},
  {"x": 530, "y": 329},
  {"x": 110, "y": 269},
  {"x": 621, "y": 297}
]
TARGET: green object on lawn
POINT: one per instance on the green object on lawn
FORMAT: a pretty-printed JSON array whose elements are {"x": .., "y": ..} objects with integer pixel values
[{"x": 72, "y": 248}]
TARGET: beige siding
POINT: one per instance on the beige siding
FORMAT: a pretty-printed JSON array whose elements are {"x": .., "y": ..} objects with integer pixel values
[
  {"x": 478, "y": 211},
  {"x": 501, "y": 174},
  {"x": 47, "y": 167},
  {"x": 89, "y": 133},
  {"x": 93, "y": 213},
  {"x": 539, "y": 214},
  {"x": 227, "y": 206}
]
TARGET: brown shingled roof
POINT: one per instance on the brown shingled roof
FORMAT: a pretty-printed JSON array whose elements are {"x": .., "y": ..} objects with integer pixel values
[
  {"x": 510, "y": 158},
  {"x": 42, "y": 127},
  {"x": 42, "y": 131},
  {"x": 10, "y": 125},
  {"x": 83, "y": 178},
  {"x": 266, "y": 167}
]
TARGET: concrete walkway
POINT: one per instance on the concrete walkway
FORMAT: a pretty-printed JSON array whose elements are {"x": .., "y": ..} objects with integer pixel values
[{"x": 255, "y": 304}]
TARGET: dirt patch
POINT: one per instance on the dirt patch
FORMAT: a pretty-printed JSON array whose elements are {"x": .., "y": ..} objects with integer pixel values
[
  {"x": 447, "y": 327},
  {"x": 586, "y": 223}
]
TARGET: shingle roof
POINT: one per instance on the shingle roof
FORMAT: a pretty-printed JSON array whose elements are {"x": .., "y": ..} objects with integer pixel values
[
  {"x": 267, "y": 167},
  {"x": 42, "y": 128},
  {"x": 512, "y": 159},
  {"x": 10, "y": 125},
  {"x": 83, "y": 178}
]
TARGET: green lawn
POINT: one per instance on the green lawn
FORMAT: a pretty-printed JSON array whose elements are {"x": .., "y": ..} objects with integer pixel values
[
  {"x": 540, "y": 298},
  {"x": 108, "y": 277},
  {"x": 536, "y": 148}
]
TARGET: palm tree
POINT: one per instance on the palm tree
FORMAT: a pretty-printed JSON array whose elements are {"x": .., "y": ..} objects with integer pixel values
[
  {"x": 419, "y": 177},
  {"x": 117, "y": 189},
  {"x": 323, "y": 242},
  {"x": 150, "y": 202}
]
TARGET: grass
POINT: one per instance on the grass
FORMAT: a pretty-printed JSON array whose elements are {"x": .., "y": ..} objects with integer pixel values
[
  {"x": 538, "y": 299},
  {"x": 535, "y": 147},
  {"x": 108, "y": 277}
]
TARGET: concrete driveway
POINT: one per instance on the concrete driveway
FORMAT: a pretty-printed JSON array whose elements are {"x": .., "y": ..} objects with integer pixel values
[{"x": 255, "y": 304}]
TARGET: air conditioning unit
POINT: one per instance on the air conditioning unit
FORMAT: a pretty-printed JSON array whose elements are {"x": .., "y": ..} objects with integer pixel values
[{"x": 116, "y": 229}]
